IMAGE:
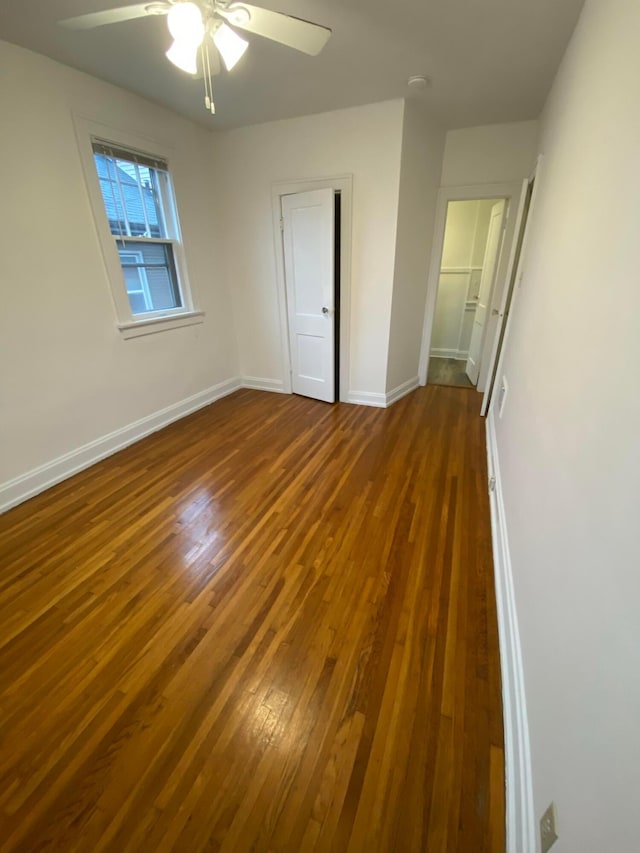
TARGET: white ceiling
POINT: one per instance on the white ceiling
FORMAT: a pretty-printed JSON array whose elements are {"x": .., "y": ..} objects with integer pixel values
[{"x": 489, "y": 60}]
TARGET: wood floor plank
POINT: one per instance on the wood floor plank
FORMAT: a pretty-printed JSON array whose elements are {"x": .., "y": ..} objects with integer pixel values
[{"x": 270, "y": 626}]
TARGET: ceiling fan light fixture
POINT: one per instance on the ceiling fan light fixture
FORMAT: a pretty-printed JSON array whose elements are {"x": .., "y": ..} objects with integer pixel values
[
  {"x": 419, "y": 82},
  {"x": 230, "y": 45},
  {"x": 184, "y": 56},
  {"x": 185, "y": 23}
]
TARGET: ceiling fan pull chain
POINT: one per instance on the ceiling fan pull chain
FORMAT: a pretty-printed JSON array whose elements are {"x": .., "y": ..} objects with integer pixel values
[
  {"x": 207, "y": 99},
  {"x": 206, "y": 74},
  {"x": 210, "y": 106}
]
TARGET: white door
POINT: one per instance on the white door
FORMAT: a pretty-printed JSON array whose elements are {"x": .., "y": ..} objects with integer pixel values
[
  {"x": 512, "y": 269},
  {"x": 489, "y": 269},
  {"x": 308, "y": 236}
]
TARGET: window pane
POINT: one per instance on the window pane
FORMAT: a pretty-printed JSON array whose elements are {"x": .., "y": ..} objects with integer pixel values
[
  {"x": 113, "y": 207},
  {"x": 138, "y": 305},
  {"x": 149, "y": 268},
  {"x": 152, "y": 207},
  {"x": 101, "y": 165},
  {"x": 130, "y": 198},
  {"x": 132, "y": 278}
]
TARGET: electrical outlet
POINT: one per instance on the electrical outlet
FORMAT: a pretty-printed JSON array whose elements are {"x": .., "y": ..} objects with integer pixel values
[
  {"x": 548, "y": 832},
  {"x": 502, "y": 398}
]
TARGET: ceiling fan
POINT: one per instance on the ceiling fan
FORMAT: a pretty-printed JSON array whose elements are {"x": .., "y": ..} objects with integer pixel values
[{"x": 194, "y": 25}]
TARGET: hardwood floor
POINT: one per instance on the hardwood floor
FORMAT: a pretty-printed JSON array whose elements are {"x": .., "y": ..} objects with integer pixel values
[{"x": 269, "y": 627}]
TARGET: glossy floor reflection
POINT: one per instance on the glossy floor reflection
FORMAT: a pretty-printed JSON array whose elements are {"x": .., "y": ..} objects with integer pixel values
[{"x": 270, "y": 626}]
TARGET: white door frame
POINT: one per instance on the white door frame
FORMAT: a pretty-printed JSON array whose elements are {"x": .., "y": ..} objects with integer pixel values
[
  {"x": 511, "y": 192},
  {"x": 344, "y": 185},
  {"x": 489, "y": 402}
]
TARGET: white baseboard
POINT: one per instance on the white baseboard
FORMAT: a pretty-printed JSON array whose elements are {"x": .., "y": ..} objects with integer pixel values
[
  {"x": 367, "y": 398},
  {"x": 33, "y": 482},
  {"x": 14, "y": 492},
  {"x": 258, "y": 384},
  {"x": 360, "y": 398},
  {"x": 458, "y": 354},
  {"x": 396, "y": 394},
  {"x": 521, "y": 832},
  {"x": 382, "y": 401}
]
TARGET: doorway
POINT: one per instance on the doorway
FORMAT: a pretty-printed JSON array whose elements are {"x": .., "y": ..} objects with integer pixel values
[
  {"x": 312, "y": 226},
  {"x": 474, "y": 233},
  {"x": 472, "y": 242}
]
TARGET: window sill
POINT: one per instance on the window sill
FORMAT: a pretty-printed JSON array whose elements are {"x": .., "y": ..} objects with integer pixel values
[{"x": 159, "y": 324}]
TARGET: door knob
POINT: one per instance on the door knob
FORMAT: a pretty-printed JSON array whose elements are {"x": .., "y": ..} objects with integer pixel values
[
  {"x": 494, "y": 312},
  {"x": 325, "y": 310}
]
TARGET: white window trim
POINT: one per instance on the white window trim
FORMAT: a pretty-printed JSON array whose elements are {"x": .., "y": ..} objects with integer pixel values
[
  {"x": 151, "y": 325},
  {"x": 130, "y": 325}
]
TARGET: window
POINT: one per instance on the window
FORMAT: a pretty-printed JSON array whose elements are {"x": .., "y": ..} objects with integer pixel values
[
  {"x": 134, "y": 206},
  {"x": 138, "y": 200}
]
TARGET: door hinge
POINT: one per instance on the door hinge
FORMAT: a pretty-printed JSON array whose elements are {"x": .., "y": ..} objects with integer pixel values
[
  {"x": 492, "y": 484},
  {"x": 281, "y": 224}
]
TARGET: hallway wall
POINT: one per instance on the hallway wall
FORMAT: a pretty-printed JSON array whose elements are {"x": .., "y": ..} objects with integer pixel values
[{"x": 569, "y": 445}]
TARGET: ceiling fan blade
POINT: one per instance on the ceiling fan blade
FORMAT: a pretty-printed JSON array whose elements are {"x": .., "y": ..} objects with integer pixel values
[
  {"x": 115, "y": 16},
  {"x": 294, "y": 32}
]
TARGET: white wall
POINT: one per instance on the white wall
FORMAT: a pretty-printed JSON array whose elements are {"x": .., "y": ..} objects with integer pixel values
[
  {"x": 492, "y": 154},
  {"x": 481, "y": 234},
  {"x": 466, "y": 232},
  {"x": 569, "y": 442},
  {"x": 365, "y": 142},
  {"x": 67, "y": 376},
  {"x": 422, "y": 150},
  {"x": 459, "y": 234}
]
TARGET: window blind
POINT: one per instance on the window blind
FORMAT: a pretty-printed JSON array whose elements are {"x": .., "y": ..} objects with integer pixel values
[{"x": 108, "y": 149}]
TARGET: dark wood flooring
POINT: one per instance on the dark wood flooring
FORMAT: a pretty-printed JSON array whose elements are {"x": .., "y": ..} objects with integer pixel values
[
  {"x": 269, "y": 627},
  {"x": 448, "y": 371}
]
